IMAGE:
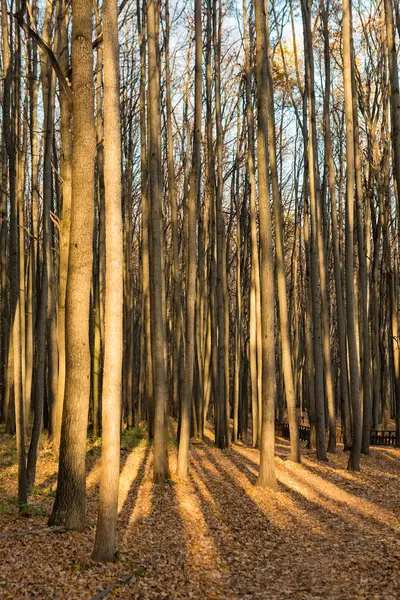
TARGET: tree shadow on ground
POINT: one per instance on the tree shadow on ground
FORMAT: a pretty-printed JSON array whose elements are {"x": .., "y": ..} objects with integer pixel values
[
  {"x": 132, "y": 494},
  {"x": 361, "y": 495},
  {"x": 351, "y": 503},
  {"x": 243, "y": 534},
  {"x": 316, "y": 520},
  {"x": 154, "y": 538}
]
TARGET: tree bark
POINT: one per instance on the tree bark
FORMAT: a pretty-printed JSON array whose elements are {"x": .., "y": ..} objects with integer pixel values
[
  {"x": 105, "y": 543},
  {"x": 267, "y": 476},
  {"x": 69, "y": 507},
  {"x": 354, "y": 459}
]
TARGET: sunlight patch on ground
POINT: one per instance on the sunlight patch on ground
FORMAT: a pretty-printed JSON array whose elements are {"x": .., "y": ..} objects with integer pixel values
[
  {"x": 142, "y": 506},
  {"x": 332, "y": 466},
  {"x": 93, "y": 477},
  {"x": 129, "y": 473},
  {"x": 319, "y": 489},
  {"x": 200, "y": 545},
  {"x": 280, "y": 508}
]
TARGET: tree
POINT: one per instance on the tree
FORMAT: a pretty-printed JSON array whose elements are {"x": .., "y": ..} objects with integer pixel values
[
  {"x": 69, "y": 506},
  {"x": 266, "y": 477},
  {"x": 191, "y": 257},
  {"x": 280, "y": 268},
  {"x": 354, "y": 459},
  {"x": 105, "y": 543},
  {"x": 157, "y": 290}
]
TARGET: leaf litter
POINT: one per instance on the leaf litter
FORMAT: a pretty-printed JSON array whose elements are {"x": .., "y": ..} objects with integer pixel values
[{"x": 326, "y": 533}]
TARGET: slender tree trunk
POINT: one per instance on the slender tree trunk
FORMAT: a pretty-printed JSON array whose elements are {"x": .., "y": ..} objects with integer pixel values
[
  {"x": 317, "y": 268},
  {"x": 43, "y": 322},
  {"x": 267, "y": 476},
  {"x": 156, "y": 260},
  {"x": 177, "y": 330},
  {"x": 238, "y": 316},
  {"x": 220, "y": 231},
  {"x": 365, "y": 354},
  {"x": 191, "y": 256},
  {"x": 395, "y": 123},
  {"x": 340, "y": 312},
  {"x": 12, "y": 141},
  {"x": 66, "y": 173},
  {"x": 105, "y": 543},
  {"x": 255, "y": 268},
  {"x": 280, "y": 272},
  {"x": 354, "y": 459}
]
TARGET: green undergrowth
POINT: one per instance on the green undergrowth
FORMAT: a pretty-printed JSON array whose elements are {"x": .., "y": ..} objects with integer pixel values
[
  {"x": 41, "y": 495},
  {"x": 134, "y": 437}
]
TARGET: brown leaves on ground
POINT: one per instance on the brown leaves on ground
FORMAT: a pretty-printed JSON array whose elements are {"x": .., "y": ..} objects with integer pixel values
[{"x": 327, "y": 533}]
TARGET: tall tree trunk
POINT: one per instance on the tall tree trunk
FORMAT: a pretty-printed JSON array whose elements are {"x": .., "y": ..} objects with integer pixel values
[
  {"x": 13, "y": 129},
  {"x": 238, "y": 316},
  {"x": 69, "y": 507},
  {"x": 43, "y": 322},
  {"x": 176, "y": 319},
  {"x": 156, "y": 260},
  {"x": 191, "y": 256},
  {"x": 365, "y": 353},
  {"x": 267, "y": 476},
  {"x": 340, "y": 312},
  {"x": 220, "y": 230},
  {"x": 280, "y": 272},
  {"x": 66, "y": 173},
  {"x": 317, "y": 268},
  {"x": 354, "y": 459},
  {"x": 395, "y": 123},
  {"x": 144, "y": 190},
  {"x": 105, "y": 543},
  {"x": 255, "y": 267}
]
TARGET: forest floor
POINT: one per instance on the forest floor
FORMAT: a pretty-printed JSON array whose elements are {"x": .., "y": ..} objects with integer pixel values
[{"x": 326, "y": 533}]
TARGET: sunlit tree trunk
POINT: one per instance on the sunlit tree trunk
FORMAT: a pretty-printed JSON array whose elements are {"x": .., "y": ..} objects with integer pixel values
[
  {"x": 238, "y": 315},
  {"x": 280, "y": 273},
  {"x": 191, "y": 256},
  {"x": 267, "y": 476},
  {"x": 69, "y": 507},
  {"x": 354, "y": 459},
  {"x": 105, "y": 543}
]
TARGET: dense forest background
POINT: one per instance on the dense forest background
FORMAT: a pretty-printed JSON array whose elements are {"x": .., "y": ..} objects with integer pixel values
[{"x": 199, "y": 235}]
